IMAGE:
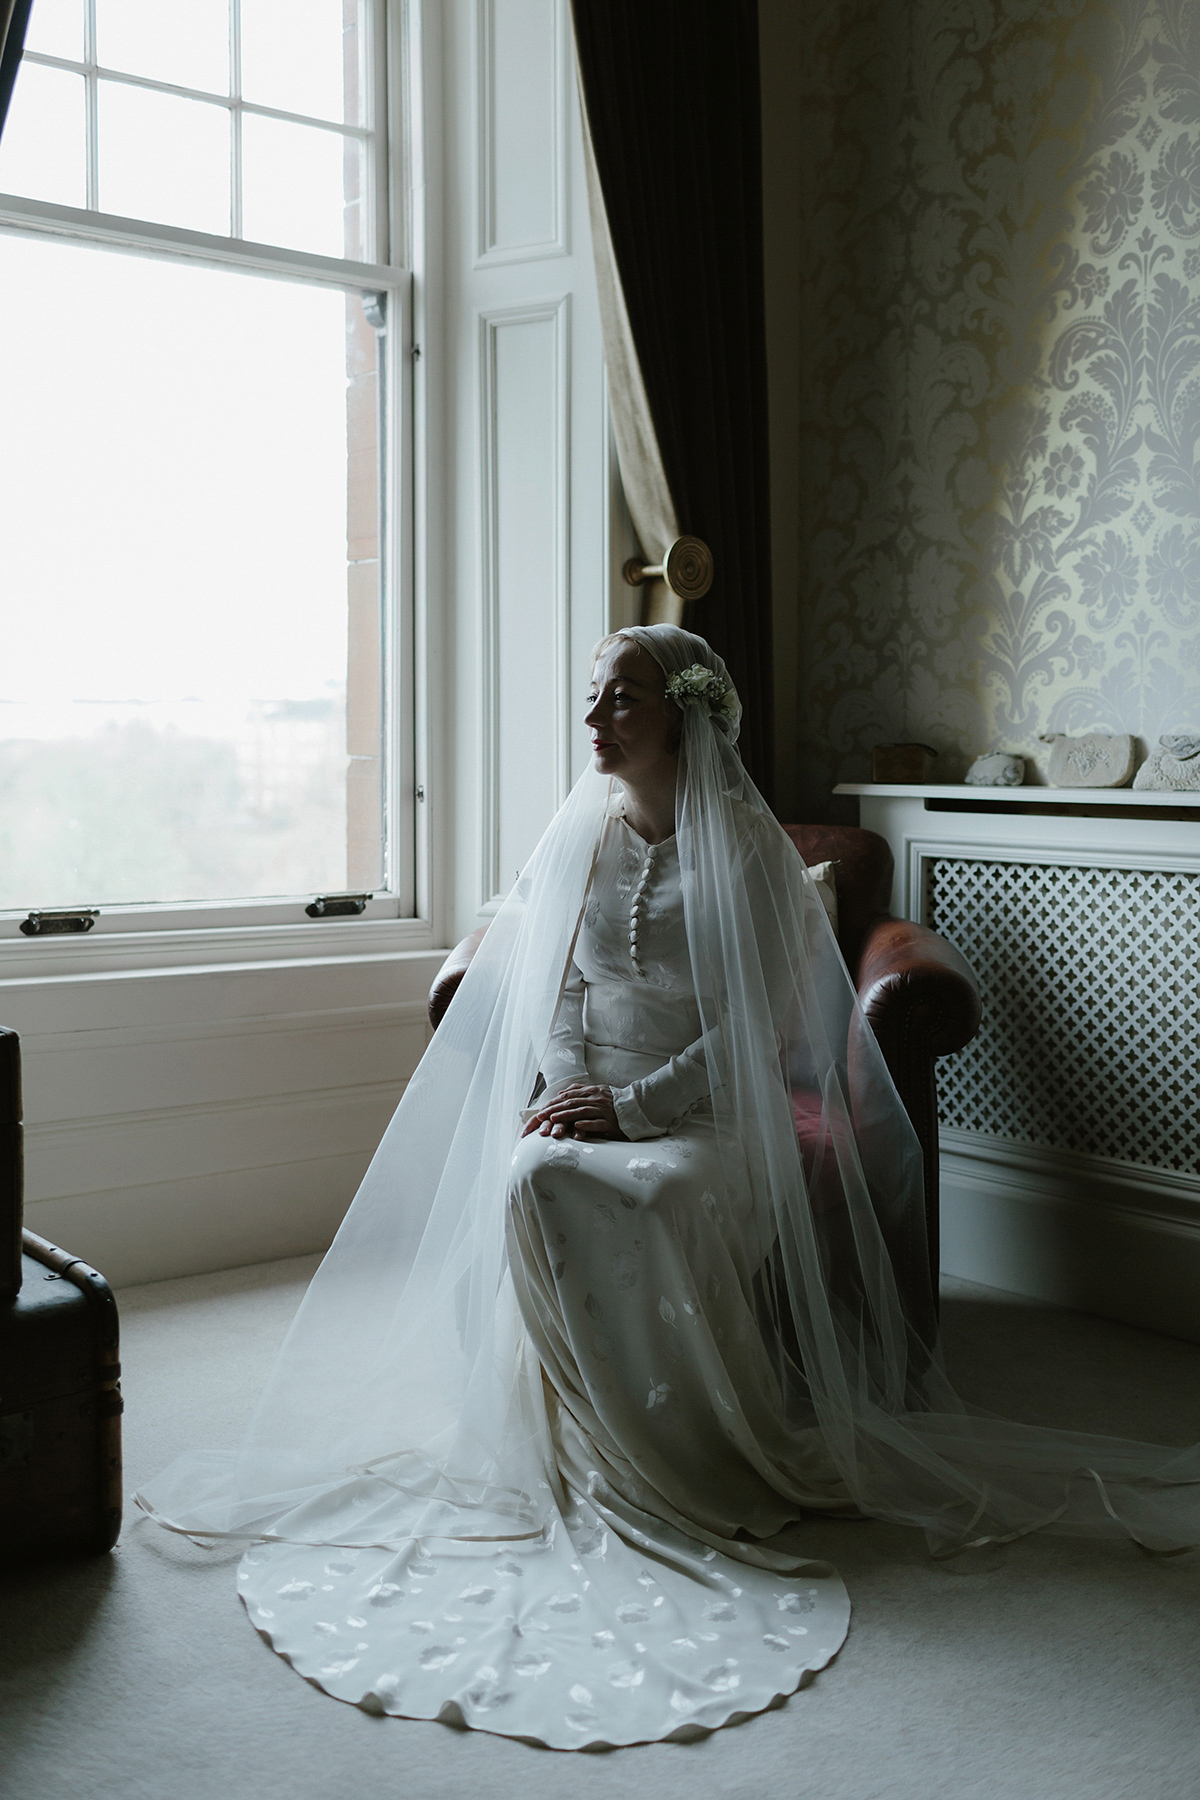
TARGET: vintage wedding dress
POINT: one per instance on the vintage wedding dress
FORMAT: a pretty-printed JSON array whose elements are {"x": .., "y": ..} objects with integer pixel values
[{"x": 539, "y": 1448}]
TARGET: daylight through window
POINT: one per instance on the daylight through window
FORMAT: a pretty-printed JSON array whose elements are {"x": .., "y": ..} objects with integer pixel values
[{"x": 192, "y": 682}]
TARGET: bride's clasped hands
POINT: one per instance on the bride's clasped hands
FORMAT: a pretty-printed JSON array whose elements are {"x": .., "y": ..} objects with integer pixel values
[{"x": 578, "y": 1111}]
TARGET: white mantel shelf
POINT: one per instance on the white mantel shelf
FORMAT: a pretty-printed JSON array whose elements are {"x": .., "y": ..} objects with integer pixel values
[{"x": 1035, "y": 796}]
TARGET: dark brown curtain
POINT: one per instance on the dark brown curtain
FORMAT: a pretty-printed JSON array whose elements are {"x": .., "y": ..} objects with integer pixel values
[
  {"x": 672, "y": 94},
  {"x": 14, "y": 21}
]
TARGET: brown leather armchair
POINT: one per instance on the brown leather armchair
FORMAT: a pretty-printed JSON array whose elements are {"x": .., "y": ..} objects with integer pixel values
[{"x": 919, "y": 994}]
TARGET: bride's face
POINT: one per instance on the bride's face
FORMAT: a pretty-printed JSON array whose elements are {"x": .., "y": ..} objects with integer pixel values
[{"x": 634, "y": 727}]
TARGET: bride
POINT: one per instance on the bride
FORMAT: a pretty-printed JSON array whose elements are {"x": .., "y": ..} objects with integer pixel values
[{"x": 599, "y": 1334}]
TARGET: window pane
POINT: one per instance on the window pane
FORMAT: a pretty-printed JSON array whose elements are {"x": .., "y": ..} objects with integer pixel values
[
  {"x": 56, "y": 29},
  {"x": 164, "y": 158},
  {"x": 293, "y": 53},
  {"x": 43, "y": 152},
  {"x": 187, "y": 45},
  {"x": 293, "y": 185},
  {"x": 173, "y": 511}
]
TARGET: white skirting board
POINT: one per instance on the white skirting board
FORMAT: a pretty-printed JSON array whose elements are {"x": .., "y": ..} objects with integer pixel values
[
  {"x": 1119, "y": 1241},
  {"x": 194, "y": 1226},
  {"x": 253, "y": 1181}
]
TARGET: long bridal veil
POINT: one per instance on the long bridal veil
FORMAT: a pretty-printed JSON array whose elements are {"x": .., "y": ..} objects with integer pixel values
[{"x": 406, "y": 1402}]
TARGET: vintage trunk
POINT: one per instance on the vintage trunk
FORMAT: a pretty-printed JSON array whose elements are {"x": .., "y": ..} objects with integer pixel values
[{"x": 60, "y": 1405}]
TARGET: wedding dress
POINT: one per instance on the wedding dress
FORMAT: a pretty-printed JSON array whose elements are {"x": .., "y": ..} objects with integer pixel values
[
  {"x": 538, "y": 1451},
  {"x": 625, "y": 1623}
]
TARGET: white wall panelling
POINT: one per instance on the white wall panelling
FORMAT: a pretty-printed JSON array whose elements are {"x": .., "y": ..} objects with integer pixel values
[
  {"x": 1070, "y": 1168},
  {"x": 186, "y": 1119},
  {"x": 524, "y": 354},
  {"x": 523, "y": 177},
  {"x": 527, "y": 513}
]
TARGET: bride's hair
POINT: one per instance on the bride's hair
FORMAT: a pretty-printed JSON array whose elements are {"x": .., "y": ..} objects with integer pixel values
[{"x": 613, "y": 637}]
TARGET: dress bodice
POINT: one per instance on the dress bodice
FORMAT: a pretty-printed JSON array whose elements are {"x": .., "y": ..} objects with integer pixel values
[
  {"x": 629, "y": 1016},
  {"x": 632, "y": 951}
]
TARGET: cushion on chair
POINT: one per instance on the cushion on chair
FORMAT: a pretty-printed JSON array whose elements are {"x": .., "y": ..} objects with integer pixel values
[
  {"x": 863, "y": 875},
  {"x": 824, "y": 875}
]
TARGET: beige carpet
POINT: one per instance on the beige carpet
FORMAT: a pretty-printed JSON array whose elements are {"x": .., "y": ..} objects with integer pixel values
[{"x": 1067, "y": 1673}]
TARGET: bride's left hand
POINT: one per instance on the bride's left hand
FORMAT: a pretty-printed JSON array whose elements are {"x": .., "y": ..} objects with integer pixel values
[{"x": 578, "y": 1111}]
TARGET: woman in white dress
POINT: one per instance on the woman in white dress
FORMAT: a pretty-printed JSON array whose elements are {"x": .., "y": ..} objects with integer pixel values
[
  {"x": 598, "y": 1334},
  {"x": 640, "y": 1301}
]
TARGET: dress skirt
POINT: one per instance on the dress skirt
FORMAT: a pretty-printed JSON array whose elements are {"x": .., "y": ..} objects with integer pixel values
[{"x": 671, "y": 1593}]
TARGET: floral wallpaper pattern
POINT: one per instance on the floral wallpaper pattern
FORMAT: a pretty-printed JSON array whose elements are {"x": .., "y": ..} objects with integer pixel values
[{"x": 1000, "y": 504}]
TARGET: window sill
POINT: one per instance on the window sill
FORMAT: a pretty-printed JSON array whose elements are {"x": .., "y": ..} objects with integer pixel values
[{"x": 116, "y": 952}]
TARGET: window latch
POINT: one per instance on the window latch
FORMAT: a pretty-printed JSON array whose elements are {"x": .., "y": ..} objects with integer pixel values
[
  {"x": 56, "y": 924},
  {"x": 333, "y": 906}
]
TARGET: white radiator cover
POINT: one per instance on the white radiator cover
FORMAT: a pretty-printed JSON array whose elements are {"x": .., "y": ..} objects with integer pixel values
[
  {"x": 1090, "y": 980},
  {"x": 1071, "y": 1124}
]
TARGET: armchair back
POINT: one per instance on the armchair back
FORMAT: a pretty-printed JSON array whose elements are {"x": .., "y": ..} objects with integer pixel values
[{"x": 863, "y": 876}]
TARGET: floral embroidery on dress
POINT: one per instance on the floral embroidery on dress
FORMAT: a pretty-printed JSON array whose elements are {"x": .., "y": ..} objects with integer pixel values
[{"x": 626, "y": 1268}]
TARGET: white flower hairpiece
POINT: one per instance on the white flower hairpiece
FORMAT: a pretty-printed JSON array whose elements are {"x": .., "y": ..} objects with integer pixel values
[{"x": 699, "y": 686}]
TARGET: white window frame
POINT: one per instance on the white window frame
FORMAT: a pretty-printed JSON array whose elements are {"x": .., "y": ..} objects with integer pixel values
[{"x": 237, "y": 931}]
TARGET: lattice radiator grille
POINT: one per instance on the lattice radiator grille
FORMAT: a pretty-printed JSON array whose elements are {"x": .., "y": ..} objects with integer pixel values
[{"x": 1091, "y": 1000}]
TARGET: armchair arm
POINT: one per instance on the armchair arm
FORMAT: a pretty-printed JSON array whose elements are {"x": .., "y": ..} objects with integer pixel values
[
  {"x": 445, "y": 982},
  {"x": 922, "y": 1001},
  {"x": 915, "y": 986}
]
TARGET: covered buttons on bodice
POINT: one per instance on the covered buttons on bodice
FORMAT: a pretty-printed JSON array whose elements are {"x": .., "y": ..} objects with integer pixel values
[
  {"x": 637, "y": 910},
  {"x": 632, "y": 951},
  {"x": 629, "y": 1017}
]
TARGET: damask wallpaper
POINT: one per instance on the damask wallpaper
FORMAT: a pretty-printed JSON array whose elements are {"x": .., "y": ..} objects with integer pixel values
[{"x": 1000, "y": 385}]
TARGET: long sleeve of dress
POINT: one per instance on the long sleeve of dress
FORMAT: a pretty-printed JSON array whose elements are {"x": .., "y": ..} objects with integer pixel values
[
  {"x": 651, "y": 1107},
  {"x": 564, "y": 1060},
  {"x": 646, "y": 1108}
]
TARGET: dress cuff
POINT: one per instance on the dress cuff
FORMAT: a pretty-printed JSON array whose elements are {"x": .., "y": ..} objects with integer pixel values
[{"x": 632, "y": 1119}]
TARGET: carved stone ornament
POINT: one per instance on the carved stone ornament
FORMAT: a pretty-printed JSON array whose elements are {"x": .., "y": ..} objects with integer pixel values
[
  {"x": 996, "y": 769},
  {"x": 1093, "y": 760},
  {"x": 1172, "y": 766}
]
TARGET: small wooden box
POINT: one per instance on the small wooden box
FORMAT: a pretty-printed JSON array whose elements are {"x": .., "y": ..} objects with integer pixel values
[{"x": 901, "y": 762}]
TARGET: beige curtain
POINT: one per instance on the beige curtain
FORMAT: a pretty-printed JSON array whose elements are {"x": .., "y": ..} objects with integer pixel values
[
  {"x": 672, "y": 112},
  {"x": 638, "y": 457},
  {"x": 14, "y": 20}
]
